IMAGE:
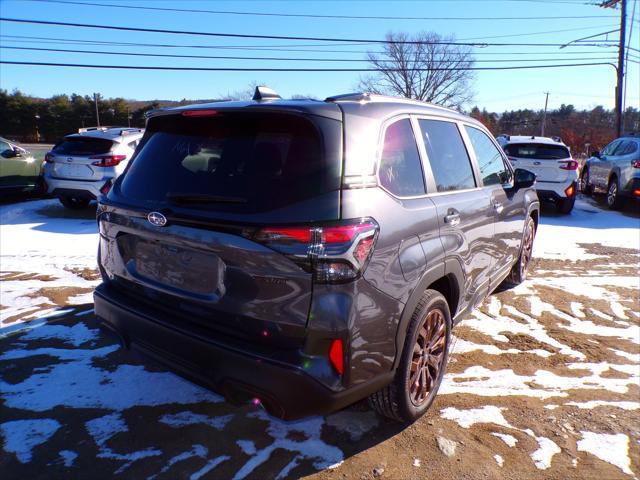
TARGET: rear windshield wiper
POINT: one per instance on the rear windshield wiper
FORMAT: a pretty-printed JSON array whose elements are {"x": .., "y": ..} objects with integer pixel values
[{"x": 202, "y": 198}]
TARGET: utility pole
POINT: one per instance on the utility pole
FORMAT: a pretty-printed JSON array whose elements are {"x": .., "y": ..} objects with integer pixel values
[
  {"x": 621, "y": 51},
  {"x": 544, "y": 115},
  {"x": 95, "y": 98}
]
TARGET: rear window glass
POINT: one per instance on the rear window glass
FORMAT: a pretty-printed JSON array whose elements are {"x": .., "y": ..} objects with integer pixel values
[
  {"x": 83, "y": 146},
  {"x": 400, "y": 166},
  {"x": 236, "y": 161},
  {"x": 537, "y": 151}
]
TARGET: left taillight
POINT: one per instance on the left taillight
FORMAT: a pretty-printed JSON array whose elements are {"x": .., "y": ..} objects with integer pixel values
[
  {"x": 569, "y": 165},
  {"x": 107, "y": 160},
  {"x": 333, "y": 253}
]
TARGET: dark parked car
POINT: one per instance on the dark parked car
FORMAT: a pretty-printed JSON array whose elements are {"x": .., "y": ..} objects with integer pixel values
[
  {"x": 19, "y": 170},
  {"x": 615, "y": 170},
  {"x": 309, "y": 254}
]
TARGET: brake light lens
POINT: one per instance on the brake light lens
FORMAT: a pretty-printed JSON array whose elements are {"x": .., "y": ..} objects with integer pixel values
[
  {"x": 336, "y": 356},
  {"x": 107, "y": 160},
  {"x": 49, "y": 158},
  {"x": 333, "y": 253},
  {"x": 569, "y": 165},
  {"x": 635, "y": 164},
  {"x": 199, "y": 113}
]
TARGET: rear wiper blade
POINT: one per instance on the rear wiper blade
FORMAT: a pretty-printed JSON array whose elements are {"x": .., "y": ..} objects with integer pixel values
[{"x": 203, "y": 198}]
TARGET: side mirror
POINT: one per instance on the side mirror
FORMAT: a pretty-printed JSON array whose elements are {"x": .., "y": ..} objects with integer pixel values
[
  {"x": 10, "y": 153},
  {"x": 523, "y": 178},
  {"x": 595, "y": 153}
]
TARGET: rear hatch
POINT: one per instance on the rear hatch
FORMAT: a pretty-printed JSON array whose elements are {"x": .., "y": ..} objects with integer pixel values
[
  {"x": 549, "y": 162},
  {"x": 79, "y": 157},
  {"x": 223, "y": 180}
]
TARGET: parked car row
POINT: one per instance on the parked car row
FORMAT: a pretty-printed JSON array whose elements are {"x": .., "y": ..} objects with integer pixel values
[{"x": 20, "y": 172}]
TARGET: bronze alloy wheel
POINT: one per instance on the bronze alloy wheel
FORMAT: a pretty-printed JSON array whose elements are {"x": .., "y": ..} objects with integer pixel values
[
  {"x": 428, "y": 357},
  {"x": 527, "y": 249}
]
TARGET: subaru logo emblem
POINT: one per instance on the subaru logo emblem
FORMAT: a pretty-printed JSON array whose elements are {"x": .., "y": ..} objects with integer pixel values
[{"x": 157, "y": 219}]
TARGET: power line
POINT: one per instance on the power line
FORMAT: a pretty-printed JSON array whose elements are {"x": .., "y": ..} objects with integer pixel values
[
  {"x": 288, "y": 59},
  {"x": 278, "y": 37},
  {"x": 300, "y": 15},
  {"x": 243, "y": 69},
  {"x": 58, "y": 40}
]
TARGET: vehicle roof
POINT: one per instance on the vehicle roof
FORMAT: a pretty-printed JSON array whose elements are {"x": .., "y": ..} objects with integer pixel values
[
  {"x": 508, "y": 140},
  {"x": 365, "y": 104},
  {"x": 109, "y": 133}
]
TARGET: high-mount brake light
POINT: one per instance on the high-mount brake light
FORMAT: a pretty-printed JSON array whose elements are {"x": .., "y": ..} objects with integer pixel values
[
  {"x": 199, "y": 113},
  {"x": 336, "y": 355},
  {"x": 569, "y": 165},
  {"x": 333, "y": 253},
  {"x": 107, "y": 160}
]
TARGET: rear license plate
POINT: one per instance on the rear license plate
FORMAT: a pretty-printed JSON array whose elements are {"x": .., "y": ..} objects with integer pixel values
[
  {"x": 177, "y": 267},
  {"x": 75, "y": 171}
]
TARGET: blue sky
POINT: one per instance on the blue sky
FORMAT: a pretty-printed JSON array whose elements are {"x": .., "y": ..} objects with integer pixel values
[{"x": 584, "y": 87}]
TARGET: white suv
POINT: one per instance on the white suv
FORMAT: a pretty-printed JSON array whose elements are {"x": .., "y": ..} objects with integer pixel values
[
  {"x": 550, "y": 159},
  {"x": 85, "y": 164}
]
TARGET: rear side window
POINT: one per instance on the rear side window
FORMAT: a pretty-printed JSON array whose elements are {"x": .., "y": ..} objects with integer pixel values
[
  {"x": 83, "y": 146},
  {"x": 448, "y": 156},
  {"x": 400, "y": 166},
  {"x": 611, "y": 148},
  {"x": 236, "y": 161},
  {"x": 537, "y": 151},
  {"x": 492, "y": 168}
]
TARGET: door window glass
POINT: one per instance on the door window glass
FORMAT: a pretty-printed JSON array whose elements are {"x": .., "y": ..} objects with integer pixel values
[
  {"x": 492, "y": 167},
  {"x": 609, "y": 149},
  {"x": 448, "y": 157},
  {"x": 400, "y": 167}
]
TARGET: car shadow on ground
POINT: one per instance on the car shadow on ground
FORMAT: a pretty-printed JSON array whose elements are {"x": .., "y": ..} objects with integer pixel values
[
  {"x": 49, "y": 215},
  {"x": 116, "y": 412},
  {"x": 586, "y": 209}
]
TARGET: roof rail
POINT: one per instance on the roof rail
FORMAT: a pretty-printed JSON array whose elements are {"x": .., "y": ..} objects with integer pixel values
[{"x": 375, "y": 97}]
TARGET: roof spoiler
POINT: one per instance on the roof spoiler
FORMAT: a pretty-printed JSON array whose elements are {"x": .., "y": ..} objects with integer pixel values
[{"x": 265, "y": 93}]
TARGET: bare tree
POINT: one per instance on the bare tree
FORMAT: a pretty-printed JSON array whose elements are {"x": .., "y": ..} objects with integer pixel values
[{"x": 425, "y": 69}]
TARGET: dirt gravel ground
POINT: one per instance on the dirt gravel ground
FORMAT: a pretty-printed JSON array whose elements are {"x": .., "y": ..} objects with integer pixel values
[{"x": 543, "y": 382}]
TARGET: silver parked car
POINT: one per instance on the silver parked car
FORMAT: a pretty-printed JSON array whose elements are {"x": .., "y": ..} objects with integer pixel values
[
  {"x": 85, "y": 164},
  {"x": 616, "y": 170}
]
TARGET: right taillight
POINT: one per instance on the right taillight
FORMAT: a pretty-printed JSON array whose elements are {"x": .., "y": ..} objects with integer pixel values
[
  {"x": 333, "y": 253},
  {"x": 569, "y": 165},
  {"x": 635, "y": 164}
]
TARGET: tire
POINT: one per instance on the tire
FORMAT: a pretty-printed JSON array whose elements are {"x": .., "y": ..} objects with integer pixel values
[
  {"x": 566, "y": 205},
  {"x": 74, "y": 203},
  {"x": 585, "y": 188},
  {"x": 520, "y": 269},
  {"x": 415, "y": 385},
  {"x": 614, "y": 200}
]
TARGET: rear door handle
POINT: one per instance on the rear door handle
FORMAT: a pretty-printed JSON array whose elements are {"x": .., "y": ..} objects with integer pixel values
[
  {"x": 452, "y": 219},
  {"x": 498, "y": 207}
]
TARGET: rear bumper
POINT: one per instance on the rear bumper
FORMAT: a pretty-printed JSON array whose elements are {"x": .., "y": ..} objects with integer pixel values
[
  {"x": 548, "y": 191},
  {"x": 75, "y": 188},
  {"x": 285, "y": 390}
]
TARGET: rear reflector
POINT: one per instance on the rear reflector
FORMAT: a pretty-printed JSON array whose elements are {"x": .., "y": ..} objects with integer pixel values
[
  {"x": 635, "y": 164},
  {"x": 106, "y": 187},
  {"x": 336, "y": 356},
  {"x": 637, "y": 192},
  {"x": 199, "y": 113},
  {"x": 569, "y": 165},
  {"x": 107, "y": 160},
  {"x": 570, "y": 191}
]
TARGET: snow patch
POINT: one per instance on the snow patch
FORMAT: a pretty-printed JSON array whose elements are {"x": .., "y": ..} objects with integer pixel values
[
  {"x": 182, "y": 419},
  {"x": 75, "y": 335},
  {"x": 21, "y": 436},
  {"x": 510, "y": 440},
  {"x": 466, "y": 418},
  {"x": 68, "y": 457},
  {"x": 499, "y": 460},
  {"x": 613, "y": 449}
]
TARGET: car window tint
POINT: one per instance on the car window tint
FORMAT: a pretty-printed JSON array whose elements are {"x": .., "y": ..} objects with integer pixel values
[
  {"x": 537, "y": 151},
  {"x": 133, "y": 144},
  {"x": 83, "y": 146},
  {"x": 448, "y": 156},
  {"x": 490, "y": 162},
  {"x": 400, "y": 166},
  {"x": 4, "y": 146}
]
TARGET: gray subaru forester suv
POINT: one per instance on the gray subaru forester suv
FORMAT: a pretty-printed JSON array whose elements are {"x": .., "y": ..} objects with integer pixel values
[{"x": 305, "y": 255}]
